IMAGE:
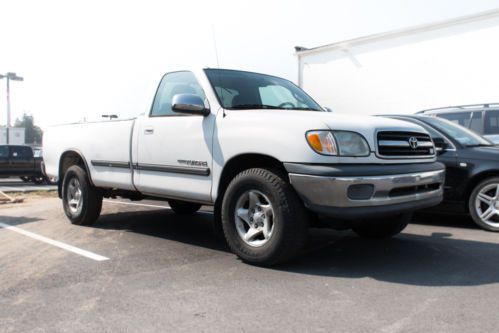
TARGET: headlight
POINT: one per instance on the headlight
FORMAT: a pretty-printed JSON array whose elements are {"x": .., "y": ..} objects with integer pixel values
[
  {"x": 351, "y": 144},
  {"x": 341, "y": 143},
  {"x": 322, "y": 142}
]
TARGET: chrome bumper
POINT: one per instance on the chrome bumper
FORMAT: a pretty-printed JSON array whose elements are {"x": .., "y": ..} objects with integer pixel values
[{"x": 405, "y": 191}]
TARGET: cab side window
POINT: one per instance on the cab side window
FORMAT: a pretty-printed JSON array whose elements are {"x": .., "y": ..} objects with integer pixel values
[
  {"x": 476, "y": 123},
  {"x": 460, "y": 118},
  {"x": 171, "y": 85},
  {"x": 492, "y": 122}
]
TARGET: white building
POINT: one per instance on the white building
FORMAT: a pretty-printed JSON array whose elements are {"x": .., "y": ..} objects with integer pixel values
[
  {"x": 16, "y": 136},
  {"x": 446, "y": 63}
]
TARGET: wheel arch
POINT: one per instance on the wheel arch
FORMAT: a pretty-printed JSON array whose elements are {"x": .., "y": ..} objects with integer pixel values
[
  {"x": 237, "y": 164},
  {"x": 69, "y": 158},
  {"x": 243, "y": 162},
  {"x": 474, "y": 181}
]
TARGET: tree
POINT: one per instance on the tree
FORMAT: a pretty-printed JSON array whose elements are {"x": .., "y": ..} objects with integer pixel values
[{"x": 33, "y": 132}]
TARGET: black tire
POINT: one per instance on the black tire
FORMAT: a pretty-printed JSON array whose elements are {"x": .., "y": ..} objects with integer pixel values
[
  {"x": 289, "y": 219},
  {"x": 91, "y": 197},
  {"x": 184, "y": 207},
  {"x": 473, "y": 211},
  {"x": 384, "y": 227}
]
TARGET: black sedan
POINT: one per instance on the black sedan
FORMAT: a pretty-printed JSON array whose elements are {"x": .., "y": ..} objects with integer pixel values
[{"x": 472, "y": 163}]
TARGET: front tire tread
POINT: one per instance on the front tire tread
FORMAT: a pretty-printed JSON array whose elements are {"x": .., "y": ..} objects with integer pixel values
[
  {"x": 291, "y": 214},
  {"x": 92, "y": 197}
]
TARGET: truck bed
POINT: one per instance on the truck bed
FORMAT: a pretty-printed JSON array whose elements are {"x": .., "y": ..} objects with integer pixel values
[{"x": 109, "y": 144}]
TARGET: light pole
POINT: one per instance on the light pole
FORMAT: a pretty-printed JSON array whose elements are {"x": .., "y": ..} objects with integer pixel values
[{"x": 9, "y": 76}]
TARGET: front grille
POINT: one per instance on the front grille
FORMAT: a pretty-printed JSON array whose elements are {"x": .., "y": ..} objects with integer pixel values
[{"x": 405, "y": 144}]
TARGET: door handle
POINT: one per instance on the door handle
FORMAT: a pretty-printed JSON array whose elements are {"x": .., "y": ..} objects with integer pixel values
[{"x": 149, "y": 130}]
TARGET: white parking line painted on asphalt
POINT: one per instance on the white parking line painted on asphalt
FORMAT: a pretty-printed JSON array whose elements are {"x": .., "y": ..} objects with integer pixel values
[
  {"x": 61, "y": 245},
  {"x": 135, "y": 204},
  {"x": 27, "y": 188},
  {"x": 11, "y": 189}
]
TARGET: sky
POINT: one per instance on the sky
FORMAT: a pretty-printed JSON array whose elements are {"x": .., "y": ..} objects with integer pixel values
[{"x": 82, "y": 59}]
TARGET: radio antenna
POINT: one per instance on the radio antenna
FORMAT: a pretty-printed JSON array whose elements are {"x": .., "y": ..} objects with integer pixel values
[
  {"x": 218, "y": 66},
  {"x": 215, "y": 44}
]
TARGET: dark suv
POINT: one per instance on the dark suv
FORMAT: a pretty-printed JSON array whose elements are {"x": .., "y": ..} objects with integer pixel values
[
  {"x": 481, "y": 118},
  {"x": 472, "y": 169},
  {"x": 20, "y": 161}
]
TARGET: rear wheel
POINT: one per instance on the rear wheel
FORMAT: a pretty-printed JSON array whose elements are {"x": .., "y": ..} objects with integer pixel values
[
  {"x": 82, "y": 201},
  {"x": 263, "y": 220},
  {"x": 483, "y": 204},
  {"x": 382, "y": 227},
  {"x": 184, "y": 207}
]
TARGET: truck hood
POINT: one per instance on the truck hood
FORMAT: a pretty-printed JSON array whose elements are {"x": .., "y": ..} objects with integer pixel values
[
  {"x": 281, "y": 134},
  {"x": 311, "y": 120},
  {"x": 366, "y": 124}
]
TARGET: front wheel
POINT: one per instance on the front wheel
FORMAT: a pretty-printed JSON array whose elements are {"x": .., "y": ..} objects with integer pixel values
[
  {"x": 483, "y": 204},
  {"x": 382, "y": 227},
  {"x": 82, "y": 201},
  {"x": 184, "y": 207},
  {"x": 263, "y": 220}
]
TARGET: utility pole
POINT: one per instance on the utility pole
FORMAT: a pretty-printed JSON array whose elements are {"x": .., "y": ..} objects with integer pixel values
[{"x": 9, "y": 76}]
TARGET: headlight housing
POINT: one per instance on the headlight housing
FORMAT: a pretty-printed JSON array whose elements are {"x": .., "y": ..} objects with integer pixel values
[{"x": 338, "y": 143}]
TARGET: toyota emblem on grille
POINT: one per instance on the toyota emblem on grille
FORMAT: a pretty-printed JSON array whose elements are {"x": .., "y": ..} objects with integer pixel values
[{"x": 413, "y": 142}]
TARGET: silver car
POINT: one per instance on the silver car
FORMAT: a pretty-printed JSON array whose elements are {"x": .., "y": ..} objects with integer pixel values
[{"x": 481, "y": 118}]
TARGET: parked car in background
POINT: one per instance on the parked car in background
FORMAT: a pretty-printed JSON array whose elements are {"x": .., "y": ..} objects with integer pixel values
[
  {"x": 472, "y": 163},
  {"x": 261, "y": 151},
  {"x": 22, "y": 162},
  {"x": 481, "y": 118}
]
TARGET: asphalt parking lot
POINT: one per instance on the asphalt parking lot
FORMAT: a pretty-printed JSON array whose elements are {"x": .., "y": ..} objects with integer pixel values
[{"x": 143, "y": 268}]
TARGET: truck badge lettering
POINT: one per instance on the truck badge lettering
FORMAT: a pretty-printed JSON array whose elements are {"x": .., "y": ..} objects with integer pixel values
[{"x": 193, "y": 163}]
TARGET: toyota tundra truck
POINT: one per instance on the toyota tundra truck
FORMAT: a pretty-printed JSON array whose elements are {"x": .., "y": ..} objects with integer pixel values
[{"x": 261, "y": 151}]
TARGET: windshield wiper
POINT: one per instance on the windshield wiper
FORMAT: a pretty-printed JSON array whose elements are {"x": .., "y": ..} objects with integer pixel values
[
  {"x": 305, "y": 108},
  {"x": 480, "y": 145},
  {"x": 253, "y": 106},
  {"x": 264, "y": 106}
]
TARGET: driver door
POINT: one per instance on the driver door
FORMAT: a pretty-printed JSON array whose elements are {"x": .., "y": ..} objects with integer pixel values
[{"x": 174, "y": 151}]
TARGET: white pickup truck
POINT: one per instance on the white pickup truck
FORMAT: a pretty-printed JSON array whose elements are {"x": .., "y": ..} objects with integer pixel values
[{"x": 261, "y": 151}]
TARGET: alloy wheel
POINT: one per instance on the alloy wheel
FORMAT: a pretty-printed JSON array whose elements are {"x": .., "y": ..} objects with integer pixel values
[
  {"x": 74, "y": 196},
  {"x": 487, "y": 204},
  {"x": 254, "y": 218}
]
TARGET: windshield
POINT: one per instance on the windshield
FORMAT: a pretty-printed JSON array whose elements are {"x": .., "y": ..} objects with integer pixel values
[
  {"x": 461, "y": 134},
  {"x": 237, "y": 90}
]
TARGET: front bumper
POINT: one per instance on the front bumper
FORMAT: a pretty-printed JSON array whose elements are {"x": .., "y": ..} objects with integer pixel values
[{"x": 358, "y": 191}]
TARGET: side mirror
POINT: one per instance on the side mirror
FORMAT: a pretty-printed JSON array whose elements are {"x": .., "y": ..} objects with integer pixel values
[
  {"x": 327, "y": 109},
  {"x": 189, "y": 104},
  {"x": 440, "y": 145}
]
